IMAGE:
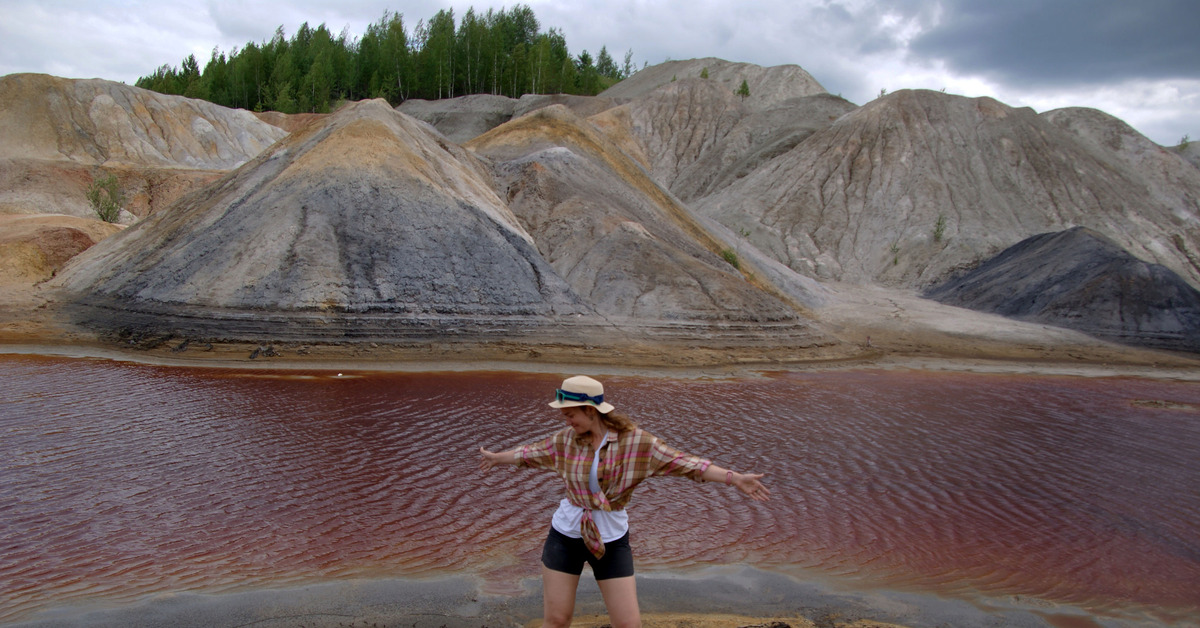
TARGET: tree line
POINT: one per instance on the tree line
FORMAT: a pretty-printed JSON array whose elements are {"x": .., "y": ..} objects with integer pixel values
[{"x": 499, "y": 52}]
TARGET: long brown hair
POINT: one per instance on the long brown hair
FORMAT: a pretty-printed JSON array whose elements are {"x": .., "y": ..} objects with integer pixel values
[{"x": 616, "y": 420}]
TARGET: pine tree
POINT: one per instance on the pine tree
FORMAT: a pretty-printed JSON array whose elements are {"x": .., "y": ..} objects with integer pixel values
[{"x": 605, "y": 64}]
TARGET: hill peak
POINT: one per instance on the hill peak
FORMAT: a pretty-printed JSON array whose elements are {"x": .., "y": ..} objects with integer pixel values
[{"x": 768, "y": 86}]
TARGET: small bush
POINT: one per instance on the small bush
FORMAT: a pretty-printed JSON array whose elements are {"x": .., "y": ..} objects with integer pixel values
[
  {"x": 730, "y": 256},
  {"x": 939, "y": 228},
  {"x": 106, "y": 198}
]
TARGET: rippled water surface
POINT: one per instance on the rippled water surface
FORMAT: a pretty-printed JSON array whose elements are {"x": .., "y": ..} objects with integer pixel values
[{"x": 120, "y": 480}]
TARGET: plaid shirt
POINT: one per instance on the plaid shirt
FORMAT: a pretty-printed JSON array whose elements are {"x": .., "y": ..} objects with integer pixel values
[{"x": 626, "y": 459}]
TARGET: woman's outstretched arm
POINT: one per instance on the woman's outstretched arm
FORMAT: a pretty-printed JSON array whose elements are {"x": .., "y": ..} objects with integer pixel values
[
  {"x": 491, "y": 459},
  {"x": 747, "y": 483}
]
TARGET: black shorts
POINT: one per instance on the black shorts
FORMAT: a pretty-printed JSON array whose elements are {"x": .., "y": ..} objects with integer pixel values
[{"x": 565, "y": 554}]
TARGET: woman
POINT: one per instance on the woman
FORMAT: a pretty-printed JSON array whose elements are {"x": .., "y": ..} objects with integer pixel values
[{"x": 602, "y": 456}]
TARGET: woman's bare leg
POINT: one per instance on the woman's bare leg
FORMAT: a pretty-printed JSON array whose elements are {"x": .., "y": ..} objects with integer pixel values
[
  {"x": 558, "y": 598},
  {"x": 620, "y": 598}
]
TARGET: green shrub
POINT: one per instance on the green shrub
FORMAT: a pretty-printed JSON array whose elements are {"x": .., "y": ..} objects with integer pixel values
[
  {"x": 106, "y": 198},
  {"x": 939, "y": 228},
  {"x": 730, "y": 256},
  {"x": 744, "y": 90}
]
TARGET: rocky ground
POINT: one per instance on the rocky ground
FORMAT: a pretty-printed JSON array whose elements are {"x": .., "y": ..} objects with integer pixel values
[
  {"x": 881, "y": 328},
  {"x": 732, "y": 597}
]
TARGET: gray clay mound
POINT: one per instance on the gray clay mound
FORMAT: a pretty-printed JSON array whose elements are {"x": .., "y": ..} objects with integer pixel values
[
  {"x": 1081, "y": 280},
  {"x": 365, "y": 225}
]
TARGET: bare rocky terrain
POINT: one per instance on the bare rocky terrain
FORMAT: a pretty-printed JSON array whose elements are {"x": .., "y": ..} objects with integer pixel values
[
  {"x": 918, "y": 185},
  {"x": 768, "y": 87},
  {"x": 666, "y": 222},
  {"x": 361, "y": 226},
  {"x": 58, "y": 134},
  {"x": 1082, "y": 280}
]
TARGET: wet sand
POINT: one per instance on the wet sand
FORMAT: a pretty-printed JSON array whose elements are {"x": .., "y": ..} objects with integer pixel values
[{"x": 717, "y": 597}]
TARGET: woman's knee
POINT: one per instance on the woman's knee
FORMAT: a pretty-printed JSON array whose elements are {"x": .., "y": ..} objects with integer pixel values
[
  {"x": 620, "y": 598},
  {"x": 626, "y": 622},
  {"x": 556, "y": 619},
  {"x": 557, "y": 613}
]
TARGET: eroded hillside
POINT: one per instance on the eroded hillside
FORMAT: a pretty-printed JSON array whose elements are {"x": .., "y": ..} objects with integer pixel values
[
  {"x": 360, "y": 226},
  {"x": 57, "y": 135},
  {"x": 670, "y": 217},
  {"x": 624, "y": 243},
  {"x": 916, "y": 186}
]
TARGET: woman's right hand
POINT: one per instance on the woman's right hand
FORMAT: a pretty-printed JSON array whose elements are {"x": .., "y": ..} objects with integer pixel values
[{"x": 749, "y": 484}]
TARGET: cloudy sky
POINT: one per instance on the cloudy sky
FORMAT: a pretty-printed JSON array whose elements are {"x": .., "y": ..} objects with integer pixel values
[{"x": 1138, "y": 60}]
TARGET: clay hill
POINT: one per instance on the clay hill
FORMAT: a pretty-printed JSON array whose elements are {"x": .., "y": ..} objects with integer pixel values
[
  {"x": 368, "y": 226},
  {"x": 667, "y": 221},
  {"x": 361, "y": 225},
  {"x": 58, "y": 134}
]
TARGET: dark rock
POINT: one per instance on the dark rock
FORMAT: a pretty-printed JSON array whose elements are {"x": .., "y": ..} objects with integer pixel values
[{"x": 1082, "y": 280}]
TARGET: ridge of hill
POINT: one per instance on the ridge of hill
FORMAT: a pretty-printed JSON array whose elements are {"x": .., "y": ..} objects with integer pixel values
[
  {"x": 612, "y": 231},
  {"x": 464, "y": 118},
  {"x": 97, "y": 122},
  {"x": 768, "y": 86},
  {"x": 696, "y": 137}
]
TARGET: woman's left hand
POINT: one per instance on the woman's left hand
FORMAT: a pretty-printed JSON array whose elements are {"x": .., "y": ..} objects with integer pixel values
[{"x": 749, "y": 484}]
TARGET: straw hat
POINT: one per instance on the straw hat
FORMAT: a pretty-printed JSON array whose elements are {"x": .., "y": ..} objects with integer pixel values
[{"x": 581, "y": 391}]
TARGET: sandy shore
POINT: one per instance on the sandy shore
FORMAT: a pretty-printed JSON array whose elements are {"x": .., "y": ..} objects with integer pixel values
[{"x": 717, "y": 597}]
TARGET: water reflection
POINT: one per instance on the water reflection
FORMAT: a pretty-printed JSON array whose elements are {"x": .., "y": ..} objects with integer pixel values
[{"x": 119, "y": 480}]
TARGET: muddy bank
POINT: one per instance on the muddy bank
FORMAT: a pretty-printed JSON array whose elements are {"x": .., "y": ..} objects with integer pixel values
[
  {"x": 874, "y": 328},
  {"x": 729, "y": 596}
]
